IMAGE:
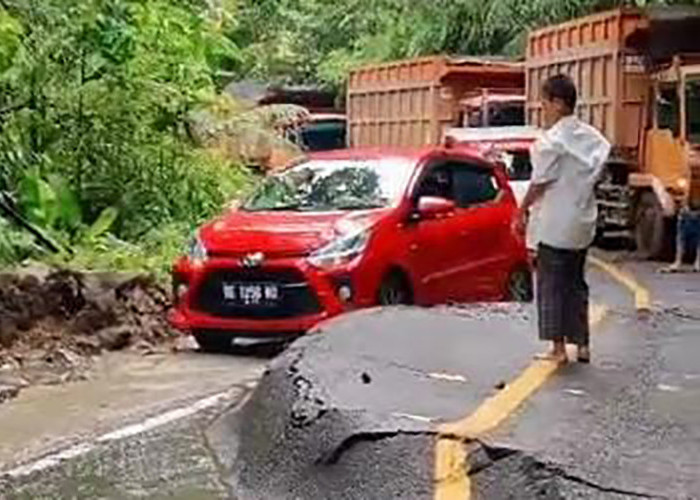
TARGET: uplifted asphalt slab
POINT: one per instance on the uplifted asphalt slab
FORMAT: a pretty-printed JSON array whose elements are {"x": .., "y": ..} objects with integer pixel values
[{"x": 353, "y": 411}]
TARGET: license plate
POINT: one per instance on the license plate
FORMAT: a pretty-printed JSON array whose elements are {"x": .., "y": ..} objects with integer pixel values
[{"x": 251, "y": 294}]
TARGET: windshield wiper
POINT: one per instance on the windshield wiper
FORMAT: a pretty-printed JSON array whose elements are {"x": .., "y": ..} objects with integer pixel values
[
  {"x": 274, "y": 208},
  {"x": 360, "y": 206}
]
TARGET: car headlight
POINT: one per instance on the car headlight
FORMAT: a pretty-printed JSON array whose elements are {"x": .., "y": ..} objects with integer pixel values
[
  {"x": 196, "y": 251},
  {"x": 341, "y": 251}
]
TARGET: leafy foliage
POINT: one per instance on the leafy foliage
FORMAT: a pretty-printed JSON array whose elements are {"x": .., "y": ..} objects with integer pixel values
[
  {"x": 319, "y": 40},
  {"x": 97, "y": 93},
  {"x": 101, "y": 100},
  {"x": 16, "y": 246}
]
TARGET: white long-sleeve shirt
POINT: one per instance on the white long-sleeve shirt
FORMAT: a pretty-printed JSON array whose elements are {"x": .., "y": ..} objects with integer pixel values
[{"x": 569, "y": 157}]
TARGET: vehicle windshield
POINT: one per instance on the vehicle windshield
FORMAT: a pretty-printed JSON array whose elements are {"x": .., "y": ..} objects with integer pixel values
[
  {"x": 692, "y": 103},
  {"x": 327, "y": 185},
  {"x": 324, "y": 135}
]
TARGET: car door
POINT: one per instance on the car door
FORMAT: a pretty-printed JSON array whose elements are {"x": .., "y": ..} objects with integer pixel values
[
  {"x": 433, "y": 254},
  {"x": 482, "y": 225}
]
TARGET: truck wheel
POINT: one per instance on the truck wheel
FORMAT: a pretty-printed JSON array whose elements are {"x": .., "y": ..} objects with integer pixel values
[
  {"x": 651, "y": 228},
  {"x": 212, "y": 341}
]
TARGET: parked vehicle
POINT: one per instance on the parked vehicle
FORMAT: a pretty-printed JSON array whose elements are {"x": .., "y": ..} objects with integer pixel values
[
  {"x": 410, "y": 103},
  {"x": 320, "y": 132},
  {"x": 493, "y": 108},
  {"x": 352, "y": 229},
  {"x": 638, "y": 73},
  {"x": 507, "y": 145}
]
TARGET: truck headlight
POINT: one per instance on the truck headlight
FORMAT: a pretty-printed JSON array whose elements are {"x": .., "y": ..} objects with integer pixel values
[
  {"x": 196, "y": 251},
  {"x": 340, "y": 251}
]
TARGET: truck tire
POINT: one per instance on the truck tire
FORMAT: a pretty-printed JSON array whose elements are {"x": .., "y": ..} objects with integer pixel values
[{"x": 651, "y": 229}]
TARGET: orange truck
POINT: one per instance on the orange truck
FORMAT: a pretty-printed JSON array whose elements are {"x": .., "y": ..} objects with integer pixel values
[
  {"x": 638, "y": 75},
  {"x": 413, "y": 102}
]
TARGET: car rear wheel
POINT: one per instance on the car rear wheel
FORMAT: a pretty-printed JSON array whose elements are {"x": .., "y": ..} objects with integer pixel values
[
  {"x": 395, "y": 291},
  {"x": 520, "y": 287},
  {"x": 212, "y": 341}
]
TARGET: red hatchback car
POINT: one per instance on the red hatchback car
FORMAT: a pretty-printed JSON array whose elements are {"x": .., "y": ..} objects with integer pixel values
[{"x": 352, "y": 229}]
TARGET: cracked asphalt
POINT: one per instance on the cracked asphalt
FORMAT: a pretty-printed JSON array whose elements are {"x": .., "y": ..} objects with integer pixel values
[{"x": 353, "y": 412}]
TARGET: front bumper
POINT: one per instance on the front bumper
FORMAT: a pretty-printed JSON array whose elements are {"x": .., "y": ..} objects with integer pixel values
[{"x": 190, "y": 313}]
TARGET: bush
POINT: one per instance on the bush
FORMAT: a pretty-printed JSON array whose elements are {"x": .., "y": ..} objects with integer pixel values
[
  {"x": 16, "y": 246},
  {"x": 154, "y": 254},
  {"x": 96, "y": 93}
]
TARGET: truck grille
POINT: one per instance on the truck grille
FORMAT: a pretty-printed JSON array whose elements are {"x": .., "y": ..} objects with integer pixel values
[{"x": 296, "y": 298}]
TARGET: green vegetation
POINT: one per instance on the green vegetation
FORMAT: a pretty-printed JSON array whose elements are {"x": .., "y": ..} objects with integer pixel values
[
  {"x": 94, "y": 103},
  {"x": 319, "y": 40},
  {"x": 98, "y": 145}
]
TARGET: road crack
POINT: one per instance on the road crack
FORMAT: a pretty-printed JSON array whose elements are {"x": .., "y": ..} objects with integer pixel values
[
  {"x": 352, "y": 441},
  {"x": 487, "y": 457}
]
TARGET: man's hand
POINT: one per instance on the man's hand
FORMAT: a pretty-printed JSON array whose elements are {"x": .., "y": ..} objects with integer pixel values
[
  {"x": 520, "y": 222},
  {"x": 534, "y": 193}
]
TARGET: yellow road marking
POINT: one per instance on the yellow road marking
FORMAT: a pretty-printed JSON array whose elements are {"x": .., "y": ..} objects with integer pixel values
[
  {"x": 451, "y": 478},
  {"x": 451, "y": 475},
  {"x": 642, "y": 297}
]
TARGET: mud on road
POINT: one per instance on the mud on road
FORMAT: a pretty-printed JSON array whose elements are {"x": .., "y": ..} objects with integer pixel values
[{"x": 53, "y": 322}]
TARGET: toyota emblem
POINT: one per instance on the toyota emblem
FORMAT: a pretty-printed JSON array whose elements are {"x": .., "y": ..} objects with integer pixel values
[{"x": 253, "y": 259}]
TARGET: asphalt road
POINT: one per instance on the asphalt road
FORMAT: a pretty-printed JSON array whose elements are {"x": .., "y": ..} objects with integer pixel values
[
  {"x": 357, "y": 412},
  {"x": 134, "y": 429}
]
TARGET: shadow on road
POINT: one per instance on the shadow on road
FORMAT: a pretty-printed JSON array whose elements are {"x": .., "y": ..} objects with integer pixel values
[{"x": 267, "y": 350}]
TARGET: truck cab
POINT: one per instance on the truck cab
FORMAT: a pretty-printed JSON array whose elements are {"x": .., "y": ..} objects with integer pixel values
[
  {"x": 673, "y": 142},
  {"x": 493, "y": 108}
]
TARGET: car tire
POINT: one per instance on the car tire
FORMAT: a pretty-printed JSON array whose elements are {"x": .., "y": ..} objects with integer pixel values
[
  {"x": 213, "y": 341},
  {"x": 395, "y": 291},
  {"x": 520, "y": 287}
]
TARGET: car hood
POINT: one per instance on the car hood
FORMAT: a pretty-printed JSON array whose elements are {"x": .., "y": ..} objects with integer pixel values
[{"x": 282, "y": 234}]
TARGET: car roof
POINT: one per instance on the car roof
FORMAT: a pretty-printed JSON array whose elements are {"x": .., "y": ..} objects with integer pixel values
[{"x": 411, "y": 154}]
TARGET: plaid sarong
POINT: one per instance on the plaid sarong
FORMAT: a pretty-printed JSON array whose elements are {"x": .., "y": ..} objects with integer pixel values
[{"x": 562, "y": 295}]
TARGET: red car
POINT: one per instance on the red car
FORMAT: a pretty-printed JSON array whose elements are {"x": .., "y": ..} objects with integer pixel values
[{"x": 352, "y": 229}]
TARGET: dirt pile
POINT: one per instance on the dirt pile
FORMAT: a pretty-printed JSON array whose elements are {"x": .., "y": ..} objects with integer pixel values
[{"x": 52, "y": 322}]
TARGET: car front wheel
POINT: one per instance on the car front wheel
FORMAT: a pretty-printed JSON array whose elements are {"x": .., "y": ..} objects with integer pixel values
[{"x": 395, "y": 291}]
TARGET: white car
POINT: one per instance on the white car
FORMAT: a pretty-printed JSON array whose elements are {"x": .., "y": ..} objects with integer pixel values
[{"x": 511, "y": 144}]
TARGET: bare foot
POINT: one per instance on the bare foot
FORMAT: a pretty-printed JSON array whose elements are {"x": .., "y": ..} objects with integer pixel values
[
  {"x": 584, "y": 354},
  {"x": 674, "y": 268},
  {"x": 557, "y": 357}
]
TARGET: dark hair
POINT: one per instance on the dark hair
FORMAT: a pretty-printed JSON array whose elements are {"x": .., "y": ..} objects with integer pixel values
[{"x": 561, "y": 87}]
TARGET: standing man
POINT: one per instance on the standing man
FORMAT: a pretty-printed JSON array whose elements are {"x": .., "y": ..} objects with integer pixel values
[{"x": 567, "y": 161}]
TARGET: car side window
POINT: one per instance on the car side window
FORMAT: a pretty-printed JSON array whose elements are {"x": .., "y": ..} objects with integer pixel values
[
  {"x": 518, "y": 165},
  {"x": 438, "y": 182},
  {"x": 473, "y": 185}
]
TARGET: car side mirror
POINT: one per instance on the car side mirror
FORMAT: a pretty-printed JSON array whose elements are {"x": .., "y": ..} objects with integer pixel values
[{"x": 433, "y": 207}]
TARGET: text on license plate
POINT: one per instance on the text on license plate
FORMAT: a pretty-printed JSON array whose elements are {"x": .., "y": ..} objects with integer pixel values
[{"x": 251, "y": 294}]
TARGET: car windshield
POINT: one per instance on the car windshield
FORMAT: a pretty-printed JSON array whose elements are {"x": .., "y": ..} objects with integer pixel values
[{"x": 327, "y": 185}]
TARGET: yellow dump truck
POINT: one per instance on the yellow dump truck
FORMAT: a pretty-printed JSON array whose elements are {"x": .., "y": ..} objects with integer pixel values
[{"x": 638, "y": 75}]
